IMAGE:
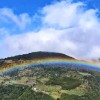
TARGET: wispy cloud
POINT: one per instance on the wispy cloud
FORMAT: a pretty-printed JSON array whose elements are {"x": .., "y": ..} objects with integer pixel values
[
  {"x": 7, "y": 15},
  {"x": 66, "y": 27}
]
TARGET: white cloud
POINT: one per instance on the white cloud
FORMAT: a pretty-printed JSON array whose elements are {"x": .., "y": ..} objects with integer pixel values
[
  {"x": 95, "y": 52},
  {"x": 3, "y": 32},
  {"x": 7, "y": 15},
  {"x": 67, "y": 27},
  {"x": 45, "y": 40},
  {"x": 62, "y": 14}
]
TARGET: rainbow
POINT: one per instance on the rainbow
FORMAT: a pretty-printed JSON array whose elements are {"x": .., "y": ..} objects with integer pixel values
[{"x": 51, "y": 61}]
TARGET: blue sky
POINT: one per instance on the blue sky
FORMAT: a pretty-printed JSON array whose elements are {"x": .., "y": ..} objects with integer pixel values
[
  {"x": 31, "y": 6},
  {"x": 66, "y": 26}
]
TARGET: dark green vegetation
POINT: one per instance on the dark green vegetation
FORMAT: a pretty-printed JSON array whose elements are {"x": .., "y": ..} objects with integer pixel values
[
  {"x": 21, "y": 92},
  {"x": 48, "y": 82},
  {"x": 66, "y": 83},
  {"x": 35, "y": 55}
]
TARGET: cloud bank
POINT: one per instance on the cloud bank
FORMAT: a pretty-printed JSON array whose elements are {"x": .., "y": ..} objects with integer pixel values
[{"x": 65, "y": 27}]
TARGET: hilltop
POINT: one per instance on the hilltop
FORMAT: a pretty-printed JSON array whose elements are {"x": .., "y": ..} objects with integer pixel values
[
  {"x": 39, "y": 54},
  {"x": 47, "y": 76}
]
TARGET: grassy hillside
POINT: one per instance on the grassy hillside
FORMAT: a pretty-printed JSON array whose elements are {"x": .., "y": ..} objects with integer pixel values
[
  {"x": 55, "y": 83},
  {"x": 48, "y": 82}
]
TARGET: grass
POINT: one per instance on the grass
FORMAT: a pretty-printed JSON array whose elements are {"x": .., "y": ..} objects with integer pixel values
[
  {"x": 55, "y": 84},
  {"x": 84, "y": 74},
  {"x": 48, "y": 88},
  {"x": 74, "y": 92}
]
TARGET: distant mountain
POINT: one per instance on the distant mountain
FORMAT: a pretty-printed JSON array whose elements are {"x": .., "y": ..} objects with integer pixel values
[
  {"x": 48, "y": 76},
  {"x": 40, "y": 54}
]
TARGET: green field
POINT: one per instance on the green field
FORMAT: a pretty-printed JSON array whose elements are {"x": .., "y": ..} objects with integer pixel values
[{"x": 54, "y": 83}]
